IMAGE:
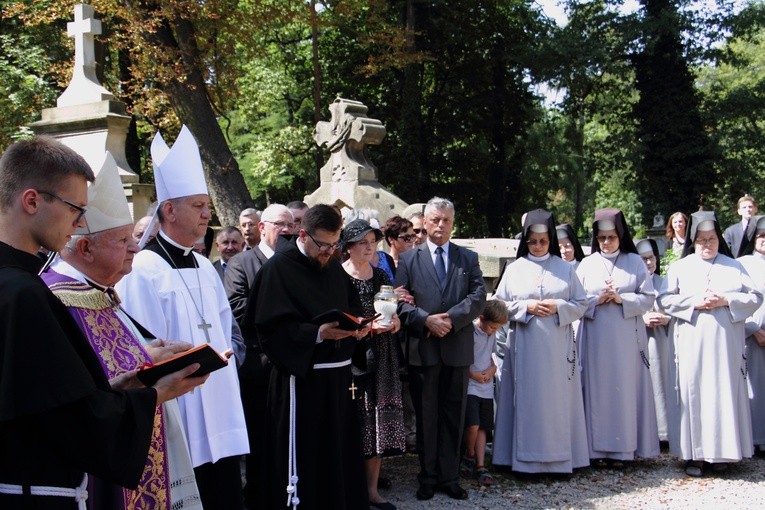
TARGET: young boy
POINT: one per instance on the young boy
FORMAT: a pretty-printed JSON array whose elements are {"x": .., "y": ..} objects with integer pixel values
[{"x": 479, "y": 414}]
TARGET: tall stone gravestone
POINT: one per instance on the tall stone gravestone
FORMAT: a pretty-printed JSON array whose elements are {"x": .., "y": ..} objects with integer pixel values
[
  {"x": 87, "y": 117},
  {"x": 349, "y": 179}
]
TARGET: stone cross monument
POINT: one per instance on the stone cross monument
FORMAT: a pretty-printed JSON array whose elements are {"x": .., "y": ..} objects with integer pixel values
[
  {"x": 87, "y": 117},
  {"x": 349, "y": 179},
  {"x": 84, "y": 87}
]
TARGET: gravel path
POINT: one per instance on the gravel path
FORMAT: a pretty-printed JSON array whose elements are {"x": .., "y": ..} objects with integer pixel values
[{"x": 644, "y": 484}]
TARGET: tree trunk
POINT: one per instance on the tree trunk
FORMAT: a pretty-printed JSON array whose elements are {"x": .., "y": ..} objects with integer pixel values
[{"x": 192, "y": 105}]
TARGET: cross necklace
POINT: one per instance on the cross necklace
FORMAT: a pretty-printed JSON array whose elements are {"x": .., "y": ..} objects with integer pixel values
[
  {"x": 610, "y": 280},
  {"x": 541, "y": 279},
  {"x": 709, "y": 273},
  {"x": 203, "y": 325}
]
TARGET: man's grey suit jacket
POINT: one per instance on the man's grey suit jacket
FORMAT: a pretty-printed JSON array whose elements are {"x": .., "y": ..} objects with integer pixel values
[
  {"x": 240, "y": 275},
  {"x": 463, "y": 298}
]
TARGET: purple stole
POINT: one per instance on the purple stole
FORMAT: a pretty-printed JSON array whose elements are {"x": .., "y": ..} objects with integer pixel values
[{"x": 118, "y": 351}]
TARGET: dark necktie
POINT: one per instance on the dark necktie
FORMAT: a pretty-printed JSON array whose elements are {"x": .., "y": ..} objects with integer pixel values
[{"x": 440, "y": 266}]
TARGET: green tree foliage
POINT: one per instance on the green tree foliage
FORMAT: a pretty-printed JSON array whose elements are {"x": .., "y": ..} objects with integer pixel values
[
  {"x": 29, "y": 61},
  {"x": 733, "y": 91},
  {"x": 456, "y": 83},
  {"x": 677, "y": 155}
]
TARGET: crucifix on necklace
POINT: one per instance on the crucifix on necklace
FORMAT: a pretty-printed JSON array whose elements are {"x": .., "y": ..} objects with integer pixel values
[
  {"x": 352, "y": 388},
  {"x": 205, "y": 326}
]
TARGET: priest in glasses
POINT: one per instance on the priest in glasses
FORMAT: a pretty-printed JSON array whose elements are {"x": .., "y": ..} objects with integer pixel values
[
  {"x": 59, "y": 414},
  {"x": 177, "y": 294},
  {"x": 83, "y": 277}
]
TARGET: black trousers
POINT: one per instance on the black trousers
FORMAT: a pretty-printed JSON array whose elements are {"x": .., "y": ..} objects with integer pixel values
[
  {"x": 439, "y": 394},
  {"x": 220, "y": 484}
]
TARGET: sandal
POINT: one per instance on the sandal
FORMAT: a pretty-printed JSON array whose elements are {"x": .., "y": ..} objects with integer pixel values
[
  {"x": 467, "y": 468},
  {"x": 484, "y": 477},
  {"x": 694, "y": 468},
  {"x": 599, "y": 463}
]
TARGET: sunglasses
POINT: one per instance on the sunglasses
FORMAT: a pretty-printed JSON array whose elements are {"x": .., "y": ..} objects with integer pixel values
[
  {"x": 419, "y": 231},
  {"x": 407, "y": 238}
]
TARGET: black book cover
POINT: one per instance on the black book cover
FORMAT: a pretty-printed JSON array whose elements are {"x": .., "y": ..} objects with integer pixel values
[
  {"x": 202, "y": 354},
  {"x": 346, "y": 321}
]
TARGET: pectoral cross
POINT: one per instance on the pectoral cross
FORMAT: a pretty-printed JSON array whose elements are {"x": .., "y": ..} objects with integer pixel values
[
  {"x": 205, "y": 326},
  {"x": 352, "y": 388}
]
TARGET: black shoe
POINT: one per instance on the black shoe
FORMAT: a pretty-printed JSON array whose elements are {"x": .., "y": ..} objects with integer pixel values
[
  {"x": 425, "y": 491},
  {"x": 454, "y": 491}
]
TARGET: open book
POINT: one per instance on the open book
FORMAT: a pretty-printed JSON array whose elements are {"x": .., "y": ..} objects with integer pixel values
[
  {"x": 346, "y": 321},
  {"x": 206, "y": 356}
]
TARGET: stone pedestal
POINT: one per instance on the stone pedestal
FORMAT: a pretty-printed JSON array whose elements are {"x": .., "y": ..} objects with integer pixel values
[{"x": 90, "y": 129}]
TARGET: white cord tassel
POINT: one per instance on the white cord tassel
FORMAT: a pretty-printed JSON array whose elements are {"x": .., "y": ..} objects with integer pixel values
[{"x": 292, "y": 477}]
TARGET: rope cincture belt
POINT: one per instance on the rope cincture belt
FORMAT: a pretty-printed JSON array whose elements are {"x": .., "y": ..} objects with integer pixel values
[
  {"x": 292, "y": 476},
  {"x": 80, "y": 494}
]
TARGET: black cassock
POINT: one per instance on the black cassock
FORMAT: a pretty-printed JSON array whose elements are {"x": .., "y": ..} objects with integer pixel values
[
  {"x": 58, "y": 414},
  {"x": 288, "y": 292}
]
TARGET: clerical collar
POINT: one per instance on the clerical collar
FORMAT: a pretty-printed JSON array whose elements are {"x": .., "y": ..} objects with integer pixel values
[
  {"x": 610, "y": 256},
  {"x": 265, "y": 249},
  {"x": 175, "y": 255},
  {"x": 301, "y": 246},
  {"x": 186, "y": 249},
  {"x": 538, "y": 259}
]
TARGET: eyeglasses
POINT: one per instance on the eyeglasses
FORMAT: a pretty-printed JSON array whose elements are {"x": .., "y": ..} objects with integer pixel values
[
  {"x": 540, "y": 242},
  {"x": 419, "y": 231},
  {"x": 407, "y": 238},
  {"x": 324, "y": 247},
  {"x": 606, "y": 239},
  {"x": 281, "y": 224},
  {"x": 80, "y": 210},
  {"x": 706, "y": 241}
]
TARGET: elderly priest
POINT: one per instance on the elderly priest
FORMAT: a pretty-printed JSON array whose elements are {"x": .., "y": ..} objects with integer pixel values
[{"x": 95, "y": 259}]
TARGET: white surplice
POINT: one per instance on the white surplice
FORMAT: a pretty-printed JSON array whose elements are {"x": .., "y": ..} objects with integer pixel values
[{"x": 168, "y": 302}]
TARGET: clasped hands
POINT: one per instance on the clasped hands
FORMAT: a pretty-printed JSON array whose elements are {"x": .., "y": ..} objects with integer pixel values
[
  {"x": 439, "y": 324},
  {"x": 653, "y": 319},
  {"x": 542, "y": 307},
  {"x": 710, "y": 300},
  {"x": 484, "y": 376},
  {"x": 609, "y": 295}
]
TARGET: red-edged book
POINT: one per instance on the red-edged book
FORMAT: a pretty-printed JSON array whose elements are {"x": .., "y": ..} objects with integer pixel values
[
  {"x": 206, "y": 356},
  {"x": 346, "y": 321}
]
